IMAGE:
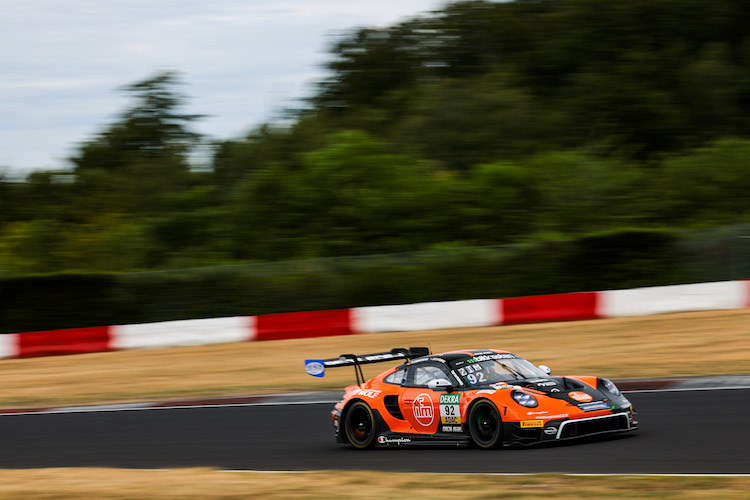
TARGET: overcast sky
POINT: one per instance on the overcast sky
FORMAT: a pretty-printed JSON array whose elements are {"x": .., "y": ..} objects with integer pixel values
[{"x": 62, "y": 62}]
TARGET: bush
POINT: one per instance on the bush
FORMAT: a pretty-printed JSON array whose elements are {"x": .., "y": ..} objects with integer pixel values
[
  {"x": 618, "y": 259},
  {"x": 626, "y": 258},
  {"x": 57, "y": 301}
]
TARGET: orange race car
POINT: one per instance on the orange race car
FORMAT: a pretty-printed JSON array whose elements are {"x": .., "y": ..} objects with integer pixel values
[{"x": 484, "y": 397}]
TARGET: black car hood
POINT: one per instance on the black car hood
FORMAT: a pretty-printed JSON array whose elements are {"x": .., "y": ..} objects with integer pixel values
[{"x": 565, "y": 388}]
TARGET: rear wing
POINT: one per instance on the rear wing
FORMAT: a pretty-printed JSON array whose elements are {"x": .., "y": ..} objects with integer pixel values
[{"x": 316, "y": 367}]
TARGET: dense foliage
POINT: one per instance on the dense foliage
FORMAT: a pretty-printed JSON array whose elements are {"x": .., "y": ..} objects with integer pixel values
[
  {"x": 629, "y": 258},
  {"x": 481, "y": 124}
]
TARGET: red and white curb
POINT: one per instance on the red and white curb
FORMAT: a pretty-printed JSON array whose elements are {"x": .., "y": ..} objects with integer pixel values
[{"x": 377, "y": 319}]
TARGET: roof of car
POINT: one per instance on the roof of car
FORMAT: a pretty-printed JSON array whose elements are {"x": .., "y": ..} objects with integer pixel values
[{"x": 463, "y": 354}]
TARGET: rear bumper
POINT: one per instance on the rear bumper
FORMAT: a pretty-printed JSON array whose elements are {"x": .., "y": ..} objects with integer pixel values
[{"x": 336, "y": 421}]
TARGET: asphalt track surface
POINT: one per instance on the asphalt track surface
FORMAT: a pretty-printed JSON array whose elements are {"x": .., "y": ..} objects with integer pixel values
[{"x": 698, "y": 432}]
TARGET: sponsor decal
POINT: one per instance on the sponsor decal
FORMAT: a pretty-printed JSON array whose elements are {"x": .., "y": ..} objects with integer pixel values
[
  {"x": 550, "y": 431},
  {"x": 450, "y": 413},
  {"x": 315, "y": 367},
  {"x": 450, "y": 399},
  {"x": 553, "y": 417},
  {"x": 484, "y": 357},
  {"x": 486, "y": 391},
  {"x": 594, "y": 406},
  {"x": 531, "y": 423},
  {"x": 487, "y": 357},
  {"x": 422, "y": 409},
  {"x": 469, "y": 369},
  {"x": 581, "y": 397},
  {"x": 452, "y": 428},
  {"x": 365, "y": 358},
  {"x": 537, "y": 412},
  {"x": 368, "y": 393},
  {"x": 546, "y": 384},
  {"x": 387, "y": 440},
  {"x": 339, "y": 362},
  {"x": 379, "y": 357}
]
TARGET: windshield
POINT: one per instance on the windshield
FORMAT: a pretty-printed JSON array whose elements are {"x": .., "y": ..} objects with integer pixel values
[{"x": 495, "y": 368}]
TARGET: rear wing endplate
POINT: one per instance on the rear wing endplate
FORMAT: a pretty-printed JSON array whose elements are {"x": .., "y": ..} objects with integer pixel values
[{"x": 316, "y": 367}]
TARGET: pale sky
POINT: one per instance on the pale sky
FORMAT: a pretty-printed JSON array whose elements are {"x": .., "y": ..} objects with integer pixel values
[{"x": 241, "y": 62}]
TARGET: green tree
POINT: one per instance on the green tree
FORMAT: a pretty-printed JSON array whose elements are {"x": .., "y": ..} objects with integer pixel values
[
  {"x": 350, "y": 196},
  {"x": 507, "y": 193},
  {"x": 576, "y": 193},
  {"x": 464, "y": 122},
  {"x": 359, "y": 192},
  {"x": 707, "y": 186},
  {"x": 137, "y": 163},
  {"x": 150, "y": 129}
]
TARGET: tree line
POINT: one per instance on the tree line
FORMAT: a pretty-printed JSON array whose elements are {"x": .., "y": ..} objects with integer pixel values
[{"x": 480, "y": 124}]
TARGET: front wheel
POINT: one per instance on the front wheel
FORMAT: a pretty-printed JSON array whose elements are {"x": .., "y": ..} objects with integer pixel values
[
  {"x": 360, "y": 426},
  {"x": 485, "y": 425}
]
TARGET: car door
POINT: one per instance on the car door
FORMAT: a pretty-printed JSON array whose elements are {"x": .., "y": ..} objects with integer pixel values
[{"x": 419, "y": 404}]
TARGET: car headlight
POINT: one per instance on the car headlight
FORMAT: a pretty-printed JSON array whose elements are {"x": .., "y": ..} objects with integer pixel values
[
  {"x": 524, "y": 399},
  {"x": 611, "y": 387}
]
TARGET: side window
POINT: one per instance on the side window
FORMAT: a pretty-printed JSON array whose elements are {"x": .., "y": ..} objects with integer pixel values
[
  {"x": 396, "y": 377},
  {"x": 423, "y": 374}
]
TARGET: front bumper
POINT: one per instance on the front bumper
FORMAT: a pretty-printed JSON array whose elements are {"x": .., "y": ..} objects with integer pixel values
[{"x": 562, "y": 429}]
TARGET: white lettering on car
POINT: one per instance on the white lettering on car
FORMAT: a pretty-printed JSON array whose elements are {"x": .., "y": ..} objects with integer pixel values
[
  {"x": 368, "y": 393},
  {"x": 423, "y": 411},
  {"x": 387, "y": 440}
]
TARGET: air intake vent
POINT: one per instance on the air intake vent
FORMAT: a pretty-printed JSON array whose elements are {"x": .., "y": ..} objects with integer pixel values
[
  {"x": 391, "y": 404},
  {"x": 573, "y": 384},
  {"x": 597, "y": 425}
]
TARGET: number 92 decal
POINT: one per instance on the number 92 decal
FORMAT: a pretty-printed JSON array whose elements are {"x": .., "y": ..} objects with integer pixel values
[{"x": 450, "y": 413}]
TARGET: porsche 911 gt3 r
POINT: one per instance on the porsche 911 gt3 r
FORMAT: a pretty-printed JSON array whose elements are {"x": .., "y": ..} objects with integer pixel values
[{"x": 487, "y": 398}]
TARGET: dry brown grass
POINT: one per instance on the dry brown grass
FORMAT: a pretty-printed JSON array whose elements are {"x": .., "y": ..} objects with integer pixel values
[
  {"x": 699, "y": 343},
  {"x": 110, "y": 484}
]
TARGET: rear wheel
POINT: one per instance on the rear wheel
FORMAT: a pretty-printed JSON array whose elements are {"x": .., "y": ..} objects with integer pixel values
[
  {"x": 485, "y": 425},
  {"x": 360, "y": 426}
]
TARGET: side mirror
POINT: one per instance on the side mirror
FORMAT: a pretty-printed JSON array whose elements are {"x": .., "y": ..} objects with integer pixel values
[
  {"x": 440, "y": 384},
  {"x": 546, "y": 369}
]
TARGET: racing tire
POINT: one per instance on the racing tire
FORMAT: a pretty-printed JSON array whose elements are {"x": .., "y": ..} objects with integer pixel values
[
  {"x": 485, "y": 425},
  {"x": 360, "y": 426}
]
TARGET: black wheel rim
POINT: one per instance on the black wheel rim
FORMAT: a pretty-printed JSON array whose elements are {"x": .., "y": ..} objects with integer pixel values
[
  {"x": 360, "y": 425},
  {"x": 485, "y": 425}
]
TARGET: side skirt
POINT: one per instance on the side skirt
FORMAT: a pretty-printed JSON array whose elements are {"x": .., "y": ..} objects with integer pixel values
[{"x": 389, "y": 439}]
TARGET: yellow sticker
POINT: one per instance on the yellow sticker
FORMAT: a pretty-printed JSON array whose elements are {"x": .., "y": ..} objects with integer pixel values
[
  {"x": 532, "y": 423},
  {"x": 450, "y": 420}
]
